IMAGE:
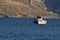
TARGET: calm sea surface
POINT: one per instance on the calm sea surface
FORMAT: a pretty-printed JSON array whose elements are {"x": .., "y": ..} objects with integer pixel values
[
  {"x": 53, "y": 5},
  {"x": 25, "y": 29}
]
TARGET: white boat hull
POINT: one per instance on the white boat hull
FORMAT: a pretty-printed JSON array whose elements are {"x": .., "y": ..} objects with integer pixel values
[{"x": 42, "y": 22}]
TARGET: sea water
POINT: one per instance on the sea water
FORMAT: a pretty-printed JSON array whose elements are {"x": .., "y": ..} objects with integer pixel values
[
  {"x": 53, "y": 5},
  {"x": 25, "y": 29}
]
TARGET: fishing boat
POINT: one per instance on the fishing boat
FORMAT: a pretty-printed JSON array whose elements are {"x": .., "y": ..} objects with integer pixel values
[{"x": 40, "y": 20}]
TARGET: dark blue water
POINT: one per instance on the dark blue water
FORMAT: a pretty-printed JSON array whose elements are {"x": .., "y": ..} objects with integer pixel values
[
  {"x": 53, "y": 5},
  {"x": 25, "y": 29}
]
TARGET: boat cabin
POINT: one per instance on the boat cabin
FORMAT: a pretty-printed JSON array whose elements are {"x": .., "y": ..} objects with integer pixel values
[{"x": 39, "y": 20}]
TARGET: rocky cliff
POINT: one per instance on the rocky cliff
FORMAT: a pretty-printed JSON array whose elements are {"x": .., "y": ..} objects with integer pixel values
[{"x": 25, "y": 8}]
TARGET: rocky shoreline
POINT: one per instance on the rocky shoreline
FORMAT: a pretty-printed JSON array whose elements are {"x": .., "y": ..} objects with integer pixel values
[{"x": 25, "y": 9}]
